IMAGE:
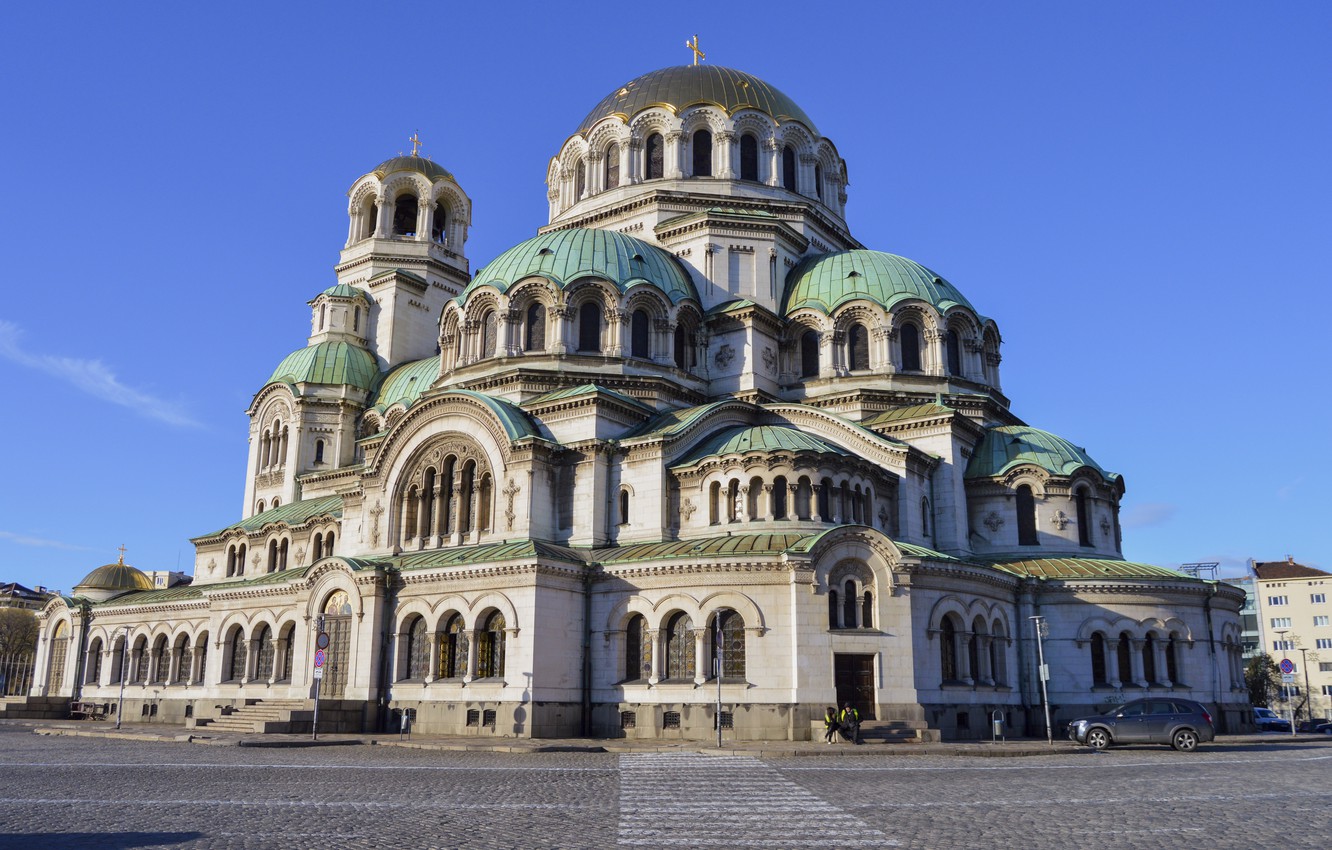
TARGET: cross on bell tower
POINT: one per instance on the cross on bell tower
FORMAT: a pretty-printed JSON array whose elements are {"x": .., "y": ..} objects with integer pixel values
[{"x": 693, "y": 45}]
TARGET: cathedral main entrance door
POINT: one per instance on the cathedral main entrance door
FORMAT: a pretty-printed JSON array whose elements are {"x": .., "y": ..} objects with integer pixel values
[
  {"x": 854, "y": 677},
  {"x": 339, "y": 657}
]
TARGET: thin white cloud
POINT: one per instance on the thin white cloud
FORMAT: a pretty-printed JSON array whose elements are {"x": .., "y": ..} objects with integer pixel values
[
  {"x": 1285, "y": 491},
  {"x": 24, "y": 540},
  {"x": 1148, "y": 513},
  {"x": 91, "y": 377}
]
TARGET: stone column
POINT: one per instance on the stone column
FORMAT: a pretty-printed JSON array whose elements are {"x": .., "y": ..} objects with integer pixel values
[
  {"x": 559, "y": 328},
  {"x": 744, "y": 514},
  {"x": 1135, "y": 663},
  {"x": 596, "y": 172},
  {"x": 814, "y": 491},
  {"x": 1162, "y": 671},
  {"x": 404, "y": 533},
  {"x": 702, "y": 663},
  {"x": 673, "y": 153},
  {"x": 432, "y": 659},
  {"x": 773, "y": 162},
  {"x": 383, "y": 221},
  {"x": 658, "y": 653},
  {"x": 983, "y": 656},
  {"x": 423, "y": 219},
  {"x": 455, "y": 497},
  {"x": 1109, "y": 652},
  {"x": 769, "y": 499},
  {"x": 791, "y": 500},
  {"x": 437, "y": 531},
  {"x": 631, "y": 162},
  {"x": 725, "y": 146},
  {"x": 962, "y": 644}
]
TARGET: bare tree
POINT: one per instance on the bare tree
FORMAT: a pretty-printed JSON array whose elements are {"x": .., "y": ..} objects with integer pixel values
[{"x": 18, "y": 631}]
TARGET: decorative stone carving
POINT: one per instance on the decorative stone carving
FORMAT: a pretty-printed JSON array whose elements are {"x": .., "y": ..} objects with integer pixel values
[
  {"x": 375, "y": 513},
  {"x": 725, "y": 355},
  {"x": 687, "y": 509},
  {"x": 769, "y": 359},
  {"x": 212, "y": 565},
  {"x": 1105, "y": 526},
  {"x": 300, "y": 557},
  {"x": 510, "y": 491},
  {"x": 1059, "y": 520},
  {"x": 993, "y": 521}
]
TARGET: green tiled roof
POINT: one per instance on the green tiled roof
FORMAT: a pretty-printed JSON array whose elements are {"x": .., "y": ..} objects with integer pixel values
[
  {"x": 758, "y": 438},
  {"x": 342, "y": 290},
  {"x": 484, "y": 553},
  {"x": 915, "y": 411},
  {"x": 1007, "y": 446},
  {"x": 154, "y": 597},
  {"x": 566, "y": 256},
  {"x": 588, "y": 389},
  {"x": 826, "y": 281},
  {"x": 673, "y": 421},
  {"x": 292, "y": 514},
  {"x": 328, "y": 363},
  {"x": 419, "y": 164},
  {"x": 517, "y": 424},
  {"x": 406, "y": 383},
  {"x": 1060, "y": 568},
  {"x": 729, "y": 306},
  {"x": 688, "y": 85},
  {"x": 735, "y": 544}
]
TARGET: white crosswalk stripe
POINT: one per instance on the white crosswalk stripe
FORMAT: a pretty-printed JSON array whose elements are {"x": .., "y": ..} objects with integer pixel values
[{"x": 670, "y": 799}]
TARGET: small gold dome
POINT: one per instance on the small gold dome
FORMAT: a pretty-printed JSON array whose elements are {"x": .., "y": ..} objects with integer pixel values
[{"x": 111, "y": 580}]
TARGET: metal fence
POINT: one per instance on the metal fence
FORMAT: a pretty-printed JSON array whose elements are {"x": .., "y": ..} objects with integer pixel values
[{"x": 16, "y": 673}]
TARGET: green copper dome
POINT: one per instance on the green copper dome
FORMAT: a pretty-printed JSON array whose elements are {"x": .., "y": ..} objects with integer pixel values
[
  {"x": 342, "y": 290},
  {"x": 826, "y": 281},
  {"x": 691, "y": 85},
  {"x": 566, "y": 256},
  {"x": 760, "y": 438},
  {"x": 1013, "y": 445},
  {"x": 407, "y": 382},
  {"x": 421, "y": 165},
  {"x": 328, "y": 363}
]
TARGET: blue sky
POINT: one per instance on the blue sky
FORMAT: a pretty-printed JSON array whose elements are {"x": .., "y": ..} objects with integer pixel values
[{"x": 1138, "y": 193}]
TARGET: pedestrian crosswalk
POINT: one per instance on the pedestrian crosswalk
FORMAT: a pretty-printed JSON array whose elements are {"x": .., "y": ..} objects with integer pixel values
[{"x": 691, "y": 799}]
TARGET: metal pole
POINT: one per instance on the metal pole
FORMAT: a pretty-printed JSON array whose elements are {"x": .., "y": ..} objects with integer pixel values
[
  {"x": 1285, "y": 693},
  {"x": 314, "y": 724},
  {"x": 1308, "y": 696},
  {"x": 1039, "y": 622},
  {"x": 124, "y": 660},
  {"x": 718, "y": 661}
]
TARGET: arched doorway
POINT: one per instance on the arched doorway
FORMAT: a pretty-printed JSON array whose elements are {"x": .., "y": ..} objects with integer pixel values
[{"x": 337, "y": 625}]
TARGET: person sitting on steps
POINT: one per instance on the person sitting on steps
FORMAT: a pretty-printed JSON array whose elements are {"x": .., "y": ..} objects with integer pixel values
[{"x": 830, "y": 725}]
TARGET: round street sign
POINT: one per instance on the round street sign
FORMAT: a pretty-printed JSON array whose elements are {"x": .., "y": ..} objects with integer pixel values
[
  {"x": 319, "y": 658},
  {"x": 322, "y": 640},
  {"x": 1287, "y": 666}
]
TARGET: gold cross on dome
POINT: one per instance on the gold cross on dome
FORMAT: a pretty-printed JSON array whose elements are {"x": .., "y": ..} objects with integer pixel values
[
  {"x": 122, "y": 553},
  {"x": 693, "y": 45},
  {"x": 415, "y": 139}
]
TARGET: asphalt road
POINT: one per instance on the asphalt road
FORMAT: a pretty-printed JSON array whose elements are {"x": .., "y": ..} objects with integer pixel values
[{"x": 110, "y": 794}]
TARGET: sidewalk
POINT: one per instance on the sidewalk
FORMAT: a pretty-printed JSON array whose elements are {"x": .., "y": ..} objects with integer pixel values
[{"x": 169, "y": 733}]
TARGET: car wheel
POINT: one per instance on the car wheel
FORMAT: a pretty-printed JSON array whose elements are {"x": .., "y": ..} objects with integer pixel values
[
  {"x": 1098, "y": 739},
  {"x": 1185, "y": 740}
]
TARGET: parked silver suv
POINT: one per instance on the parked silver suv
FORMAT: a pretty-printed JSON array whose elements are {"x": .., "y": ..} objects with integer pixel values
[{"x": 1181, "y": 723}]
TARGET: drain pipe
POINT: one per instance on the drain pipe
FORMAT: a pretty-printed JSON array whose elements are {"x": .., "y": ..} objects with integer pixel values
[{"x": 587, "y": 652}]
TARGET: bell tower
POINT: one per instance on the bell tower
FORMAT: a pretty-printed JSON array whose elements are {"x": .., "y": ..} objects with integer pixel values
[{"x": 408, "y": 221}]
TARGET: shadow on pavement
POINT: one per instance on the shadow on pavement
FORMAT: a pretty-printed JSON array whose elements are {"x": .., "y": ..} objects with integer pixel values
[{"x": 105, "y": 840}]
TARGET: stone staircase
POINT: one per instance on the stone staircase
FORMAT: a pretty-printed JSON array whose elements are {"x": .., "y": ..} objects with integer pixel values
[
  {"x": 259, "y": 717},
  {"x": 34, "y": 708},
  {"x": 897, "y": 732}
]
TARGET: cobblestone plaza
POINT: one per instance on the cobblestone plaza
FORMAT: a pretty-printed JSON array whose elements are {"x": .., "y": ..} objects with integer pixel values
[{"x": 99, "y": 793}]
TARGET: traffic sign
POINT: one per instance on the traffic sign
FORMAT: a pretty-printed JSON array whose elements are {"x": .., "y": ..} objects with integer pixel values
[
  {"x": 1287, "y": 666},
  {"x": 322, "y": 640},
  {"x": 319, "y": 658},
  {"x": 319, "y": 672},
  {"x": 1287, "y": 678}
]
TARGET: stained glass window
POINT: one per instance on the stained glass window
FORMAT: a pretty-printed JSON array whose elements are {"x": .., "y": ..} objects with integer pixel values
[
  {"x": 418, "y": 650},
  {"x": 638, "y": 649},
  {"x": 748, "y": 157},
  {"x": 732, "y": 644},
  {"x": 612, "y": 166},
  {"x": 490, "y": 650},
  {"x": 679, "y": 647},
  {"x": 654, "y": 156},
  {"x": 263, "y": 668},
  {"x": 453, "y": 654},
  {"x": 238, "y": 654}
]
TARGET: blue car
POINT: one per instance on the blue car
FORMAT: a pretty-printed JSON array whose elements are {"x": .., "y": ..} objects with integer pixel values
[{"x": 1181, "y": 723}]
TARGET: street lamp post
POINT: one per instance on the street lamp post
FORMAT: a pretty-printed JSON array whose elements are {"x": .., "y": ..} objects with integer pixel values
[
  {"x": 1285, "y": 697},
  {"x": 1042, "y": 672}
]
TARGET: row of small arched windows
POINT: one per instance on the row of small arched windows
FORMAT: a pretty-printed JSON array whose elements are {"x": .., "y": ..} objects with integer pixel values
[
  {"x": 654, "y": 162},
  {"x": 452, "y": 642},
  {"x": 1155, "y": 658},
  {"x": 856, "y": 355},
  {"x": 406, "y": 219},
  {"x": 672, "y": 653},
  {"x": 824, "y": 501}
]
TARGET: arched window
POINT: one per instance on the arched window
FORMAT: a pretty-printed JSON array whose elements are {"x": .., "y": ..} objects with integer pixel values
[
  {"x": 356, "y": 319},
  {"x": 58, "y": 651},
  {"x": 749, "y": 158},
  {"x": 1084, "y": 520},
  {"x": 272, "y": 556},
  {"x": 453, "y": 652},
  {"x": 231, "y": 561},
  {"x": 589, "y": 327},
  {"x": 834, "y": 610},
  {"x": 319, "y": 451},
  {"x": 1149, "y": 659},
  {"x": 640, "y": 343},
  {"x": 580, "y": 180},
  {"x": 679, "y": 647},
  {"x": 370, "y": 220},
  {"x": 184, "y": 657},
  {"x": 998, "y": 657},
  {"x": 679, "y": 347},
  {"x": 328, "y": 545},
  {"x": 283, "y": 547},
  {"x": 466, "y": 497},
  {"x": 488, "y": 335},
  {"x": 909, "y": 336},
  {"x": 612, "y": 166},
  {"x": 733, "y": 501},
  {"x": 948, "y": 649},
  {"x": 654, "y": 157},
  {"x": 804, "y": 497},
  {"x": 1026, "y": 516},
  {"x": 93, "y": 668},
  {"x": 439, "y": 224},
  {"x": 637, "y": 650},
  {"x": 275, "y": 504},
  {"x": 624, "y": 506},
  {"x": 417, "y": 650},
  {"x": 954, "y": 346},
  {"x": 404, "y": 215},
  {"x": 702, "y": 153},
  {"x": 483, "y": 503},
  {"x": 867, "y": 610},
  {"x": 849, "y": 605},
  {"x": 731, "y": 627},
  {"x": 201, "y": 650},
  {"x": 788, "y": 168},
  {"x": 141, "y": 654},
  {"x": 490, "y": 648},
  {"x": 260, "y": 507},
  {"x": 1172, "y": 659},
  {"x": 825, "y": 500},
  {"x": 263, "y": 664},
  {"x": 534, "y": 334},
  {"x": 288, "y": 653},
  {"x": 1124, "y": 655},
  {"x": 714, "y": 503},
  {"x": 857, "y": 348},
  {"x": 236, "y": 671},
  {"x": 323, "y": 316},
  {"x": 925, "y": 523},
  {"x": 779, "y": 498},
  {"x": 809, "y": 354},
  {"x": 240, "y": 557},
  {"x": 1098, "y": 659},
  {"x": 818, "y": 182}
]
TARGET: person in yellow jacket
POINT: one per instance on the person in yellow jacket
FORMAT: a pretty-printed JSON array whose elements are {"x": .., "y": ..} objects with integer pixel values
[
  {"x": 850, "y": 723},
  {"x": 830, "y": 724}
]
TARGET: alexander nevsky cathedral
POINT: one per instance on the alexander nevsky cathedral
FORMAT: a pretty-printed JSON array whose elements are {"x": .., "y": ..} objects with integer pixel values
[{"x": 690, "y": 457}]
